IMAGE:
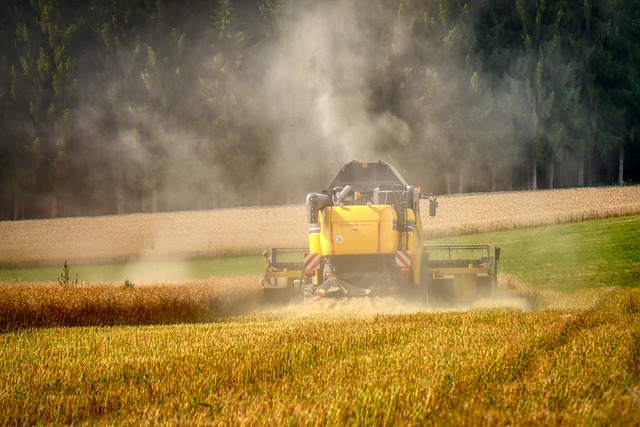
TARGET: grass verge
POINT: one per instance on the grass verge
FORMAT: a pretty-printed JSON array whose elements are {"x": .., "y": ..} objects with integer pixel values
[{"x": 144, "y": 271}]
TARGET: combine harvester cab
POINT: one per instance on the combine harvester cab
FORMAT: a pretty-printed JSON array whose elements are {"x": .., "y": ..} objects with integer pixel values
[{"x": 366, "y": 239}]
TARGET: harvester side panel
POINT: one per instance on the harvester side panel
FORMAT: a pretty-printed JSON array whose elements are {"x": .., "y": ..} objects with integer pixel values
[{"x": 414, "y": 236}]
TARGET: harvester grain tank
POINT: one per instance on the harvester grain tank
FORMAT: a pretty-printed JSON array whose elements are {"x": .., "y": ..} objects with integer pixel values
[{"x": 366, "y": 238}]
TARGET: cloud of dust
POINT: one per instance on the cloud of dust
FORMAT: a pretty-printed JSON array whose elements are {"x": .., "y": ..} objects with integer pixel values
[
  {"x": 328, "y": 98},
  {"x": 317, "y": 95},
  {"x": 304, "y": 102},
  {"x": 279, "y": 122},
  {"x": 393, "y": 304},
  {"x": 148, "y": 271}
]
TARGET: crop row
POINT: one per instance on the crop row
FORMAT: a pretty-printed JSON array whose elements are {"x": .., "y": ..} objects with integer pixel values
[{"x": 46, "y": 305}]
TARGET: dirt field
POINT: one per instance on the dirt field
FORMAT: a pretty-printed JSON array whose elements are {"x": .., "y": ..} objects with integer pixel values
[{"x": 251, "y": 230}]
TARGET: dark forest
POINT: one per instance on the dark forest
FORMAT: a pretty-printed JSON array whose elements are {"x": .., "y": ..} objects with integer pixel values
[{"x": 113, "y": 106}]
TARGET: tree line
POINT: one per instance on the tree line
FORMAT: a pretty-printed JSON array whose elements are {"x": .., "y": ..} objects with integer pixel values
[{"x": 111, "y": 106}]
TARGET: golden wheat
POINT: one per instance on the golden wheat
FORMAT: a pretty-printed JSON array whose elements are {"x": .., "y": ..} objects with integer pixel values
[
  {"x": 47, "y": 305},
  {"x": 496, "y": 367},
  {"x": 465, "y": 214},
  {"x": 251, "y": 230},
  {"x": 365, "y": 362}
]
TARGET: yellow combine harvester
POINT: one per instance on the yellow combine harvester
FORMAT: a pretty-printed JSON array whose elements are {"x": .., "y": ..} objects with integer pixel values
[{"x": 366, "y": 238}]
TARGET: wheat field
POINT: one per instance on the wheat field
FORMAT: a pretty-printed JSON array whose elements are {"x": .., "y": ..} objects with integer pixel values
[
  {"x": 211, "y": 353},
  {"x": 215, "y": 233},
  {"x": 285, "y": 367}
]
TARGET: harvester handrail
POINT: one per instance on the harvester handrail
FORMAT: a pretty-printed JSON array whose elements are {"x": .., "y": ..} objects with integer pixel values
[
  {"x": 446, "y": 247},
  {"x": 453, "y": 248},
  {"x": 275, "y": 261}
]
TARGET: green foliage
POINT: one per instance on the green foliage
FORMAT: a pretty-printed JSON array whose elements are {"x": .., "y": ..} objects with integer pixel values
[{"x": 120, "y": 95}]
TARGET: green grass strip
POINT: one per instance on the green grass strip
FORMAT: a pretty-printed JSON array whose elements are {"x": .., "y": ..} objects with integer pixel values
[
  {"x": 154, "y": 270},
  {"x": 567, "y": 257}
]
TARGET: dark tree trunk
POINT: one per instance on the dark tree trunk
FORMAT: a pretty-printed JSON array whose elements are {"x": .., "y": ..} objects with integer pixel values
[
  {"x": 581, "y": 170},
  {"x": 621, "y": 165}
]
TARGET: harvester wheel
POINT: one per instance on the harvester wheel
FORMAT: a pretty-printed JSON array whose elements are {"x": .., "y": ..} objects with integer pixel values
[{"x": 321, "y": 272}]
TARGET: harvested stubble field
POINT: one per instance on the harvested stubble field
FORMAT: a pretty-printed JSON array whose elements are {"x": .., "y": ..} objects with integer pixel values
[{"x": 207, "y": 352}]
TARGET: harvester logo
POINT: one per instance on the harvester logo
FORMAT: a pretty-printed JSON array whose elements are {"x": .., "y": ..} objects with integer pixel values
[{"x": 339, "y": 239}]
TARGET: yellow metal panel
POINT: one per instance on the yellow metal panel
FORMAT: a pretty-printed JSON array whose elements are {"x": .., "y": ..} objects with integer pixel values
[
  {"x": 314, "y": 243},
  {"x": 281, "y": 279},
  {"x": 411, "y": 217},
  {"x": 360, "y": 213},
  {"x": 351, "y": 230},
  {"x": 450, "y": 271},
  {"x": 465, "y": 287},
  {"x": 415, "y": 245},
  {"x": 285, "y": 274}
]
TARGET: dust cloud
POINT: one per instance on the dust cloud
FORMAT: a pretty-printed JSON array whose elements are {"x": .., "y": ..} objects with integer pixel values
[
  {"x": 149, "y": 271},
  {"x": 280, "y": 121},
  {"x": 326, "y": 93},
  {"x": 393, "y": 304},
  {"x": 318, "y": 82}
]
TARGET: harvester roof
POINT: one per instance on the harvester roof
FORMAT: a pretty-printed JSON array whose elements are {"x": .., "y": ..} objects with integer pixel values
[{"x": 365, "y": 176}]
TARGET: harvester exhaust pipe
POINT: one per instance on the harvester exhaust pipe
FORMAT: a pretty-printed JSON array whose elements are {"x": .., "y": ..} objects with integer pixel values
[
  {"x": 315, "y": 203},
  {"x": 340, "y": 195}
]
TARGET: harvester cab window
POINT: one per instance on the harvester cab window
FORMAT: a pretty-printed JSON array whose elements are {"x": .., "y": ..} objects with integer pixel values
[{"x": 386, "y": 195}]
